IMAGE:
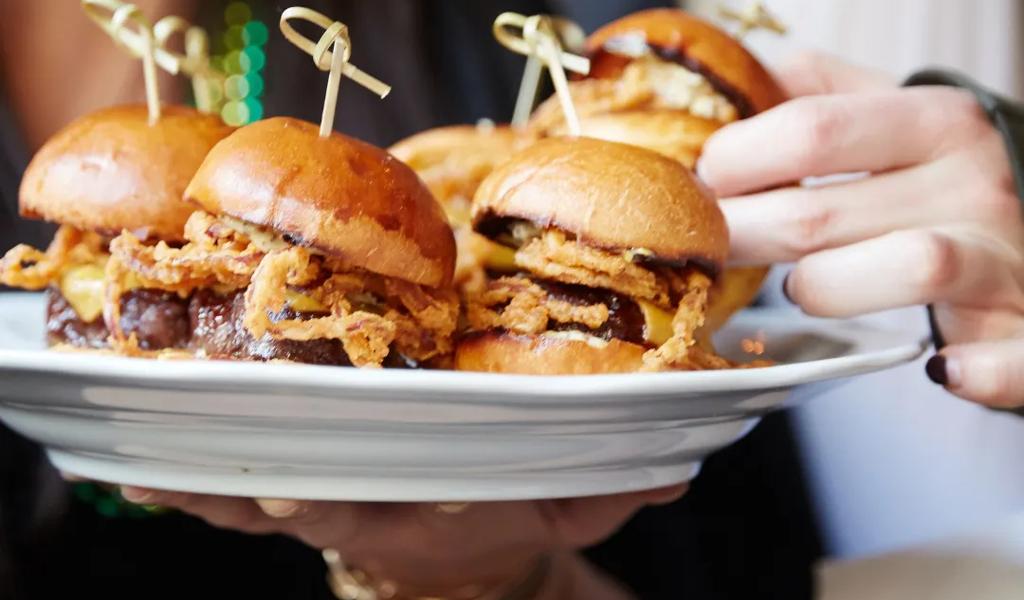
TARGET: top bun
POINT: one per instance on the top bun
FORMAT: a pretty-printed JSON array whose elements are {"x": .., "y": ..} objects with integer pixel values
[
  {"x": 609, "y": 195},
  {"x": 337, "y": 194},
  {"x": 110, "y": 170},
  {"x": 693, "y": 43},
  {"x": 674, "y": 133},
  {"x": 459, "y": 145},
  {"x": 453, "y": 160}
]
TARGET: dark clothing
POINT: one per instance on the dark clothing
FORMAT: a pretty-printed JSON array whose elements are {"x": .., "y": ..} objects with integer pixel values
[
  {"x": 744, "y": 531},
  {"x": 440, "y": 57}
]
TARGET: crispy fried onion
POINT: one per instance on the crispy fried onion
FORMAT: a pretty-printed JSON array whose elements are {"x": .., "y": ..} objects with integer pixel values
[
  {"x": 552, "y": 256},
  {"x": 26, "y": 267},
  {"x": 215, "y": 255},
  {"x": 681, "y": 352},
  {"x": 368, "y": 313},
  {"x": 520, "y": 305},
  {"x": 423, "y": 330}
]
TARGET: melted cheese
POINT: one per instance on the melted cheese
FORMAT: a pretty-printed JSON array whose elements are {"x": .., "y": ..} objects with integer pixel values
[
  {"x": 300, "y": 302},
  {"x": 657, "y": 323},
  {"x": 500, "y": 258},
  {"x": 82, "y": 286}
]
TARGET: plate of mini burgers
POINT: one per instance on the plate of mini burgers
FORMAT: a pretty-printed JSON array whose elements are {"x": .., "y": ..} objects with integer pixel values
[{"x": 481, "y": 313}]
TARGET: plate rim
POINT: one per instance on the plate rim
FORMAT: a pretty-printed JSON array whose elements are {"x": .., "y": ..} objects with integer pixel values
[{"x": 904, "y": 346}]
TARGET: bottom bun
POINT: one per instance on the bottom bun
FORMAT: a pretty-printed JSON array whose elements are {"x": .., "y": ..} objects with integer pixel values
[{"x": 551, "y": 353}]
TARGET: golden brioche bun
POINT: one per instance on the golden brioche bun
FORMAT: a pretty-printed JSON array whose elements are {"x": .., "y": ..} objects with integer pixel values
[
  {"x": 676, "y": 134},
  {"x": 694, "y": 43},
  {"x": 453, "y": 160},
  {"x": 337, "y": 194},
  {"x": 702, "y": 47},
  {"x": 545, "y": 354},
  {"x": 459, "y": 151},
  {"x": 680, "y": 135},
  {"x": 110, "y": 170},
  {"x": 609, "y": 195}
]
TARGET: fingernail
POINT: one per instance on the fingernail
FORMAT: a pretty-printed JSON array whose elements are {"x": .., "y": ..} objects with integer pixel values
[
  {"x": 785, "y": 289},
  {"x": 281, "y": 509},
  {"x": 935, "y": 368},
  {"x": 943, "y": 370},
  {"x": 138, "y": 495}
]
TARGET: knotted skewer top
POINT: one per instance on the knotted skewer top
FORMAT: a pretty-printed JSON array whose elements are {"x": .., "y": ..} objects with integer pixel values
[
  {"x": 330, "y": 53},
  {"x": 115, "y": 18},
  {"x": 537, "y": 38},
  {"x": 195, "y": 62},
  {"x": 754, "y": 16}
]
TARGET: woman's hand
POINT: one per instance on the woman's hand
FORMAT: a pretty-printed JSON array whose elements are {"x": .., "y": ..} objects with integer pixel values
[
  {"x": 434, "y": 548},
  {"x": 936, "y": 221}
]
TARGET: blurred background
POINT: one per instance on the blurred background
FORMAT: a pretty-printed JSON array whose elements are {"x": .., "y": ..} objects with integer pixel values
[{"x": 881, "y": 463}]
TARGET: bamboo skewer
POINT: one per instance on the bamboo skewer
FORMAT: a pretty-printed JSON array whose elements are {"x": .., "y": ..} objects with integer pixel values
[
  {"x": 114, "y": 17},
  {"x": 536, "y": 38},
  {"x": 331, "y": 53}
]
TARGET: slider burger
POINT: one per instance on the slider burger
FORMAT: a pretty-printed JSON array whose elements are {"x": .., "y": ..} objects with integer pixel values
[
  {"x": 452, "y": 161},
  {"x": 308, "y": 249},
  {"x": 666, "y": 80},
  {"x": 616, "y": 247},
  {"x": 104, "y": 173}
]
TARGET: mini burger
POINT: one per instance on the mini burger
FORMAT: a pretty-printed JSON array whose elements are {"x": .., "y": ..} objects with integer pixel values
[
  {"x": 108, "y": 172},
  {"x": 322, "y": 250},
  {"x": 616, "y": 248},
  {"x": 666, "y": 80},
  {"x": 452, "y": 161}
]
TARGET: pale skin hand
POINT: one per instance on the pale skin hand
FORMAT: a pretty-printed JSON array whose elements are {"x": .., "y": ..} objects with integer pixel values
[
  {"x": 938, "y": 221},
  {"x": 438, "y": 547}
]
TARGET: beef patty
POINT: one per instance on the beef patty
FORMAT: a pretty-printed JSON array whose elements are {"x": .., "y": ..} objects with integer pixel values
[
  {"x": 216, "y": 322},
  {"x": 158, "y": 319}
]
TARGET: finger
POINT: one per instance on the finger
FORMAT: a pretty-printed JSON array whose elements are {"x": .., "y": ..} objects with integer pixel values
[
  {"x": 319, "y": 524},
  {"x": 226, "y": 512},
  {"x": 824, "y": 135},
  {"x": 991, "y": 373},
  {"x": 580, "y": 522},
  {"x": 810, "y": 73},
  {"x": 906, "y": 268},
  {"x": 787, "y": 224}
]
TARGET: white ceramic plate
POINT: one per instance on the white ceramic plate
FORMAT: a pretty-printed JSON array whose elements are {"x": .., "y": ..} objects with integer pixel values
[{"x": 284, "y": 430}]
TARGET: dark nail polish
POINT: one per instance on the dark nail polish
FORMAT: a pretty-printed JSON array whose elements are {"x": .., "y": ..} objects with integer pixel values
[
  {"x": 785, "y": 289},
  {"x": 935, "y": 368}
]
